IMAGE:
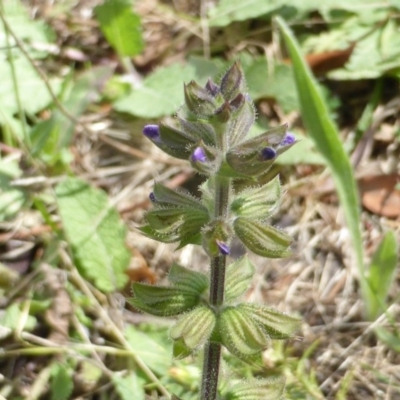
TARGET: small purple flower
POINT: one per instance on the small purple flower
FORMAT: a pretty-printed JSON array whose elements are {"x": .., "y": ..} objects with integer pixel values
[
  {"x": 199, "y": 155},
  {"x": 152, "y": 132},
  {"x": 152, "y": 197},
  {"x": 288, "y": 139},
  {"x": 223, "y": 248},
  {"x": 268, "y": 153}
]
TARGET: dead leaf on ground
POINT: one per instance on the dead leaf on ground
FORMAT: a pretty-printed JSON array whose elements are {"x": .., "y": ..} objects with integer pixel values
[{"x": 380, "y": 196}]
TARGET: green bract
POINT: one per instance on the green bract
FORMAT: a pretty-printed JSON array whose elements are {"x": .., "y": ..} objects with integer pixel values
[{"x": 212, "y": 133}]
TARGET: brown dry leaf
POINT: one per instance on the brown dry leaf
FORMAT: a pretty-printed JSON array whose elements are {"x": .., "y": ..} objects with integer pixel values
[{"x": 379, "y": 194}]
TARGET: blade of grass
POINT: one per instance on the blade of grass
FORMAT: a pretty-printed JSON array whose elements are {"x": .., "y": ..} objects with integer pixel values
[
  {"x": 323, "y": 132},
  {"x": 381, "y": 272}
]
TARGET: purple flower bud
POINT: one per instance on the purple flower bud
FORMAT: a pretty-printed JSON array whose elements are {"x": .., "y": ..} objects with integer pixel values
[
  {"x": 212, "y": 87},
  {"x": 152, "y": 132},
  {"x": 199, "y": 155},
  {"x": 223, "y": 248},
  {"x": 152, "y": 197},
  {"x": 288, "y": 139},
  {"x": 268, "y": 153}
]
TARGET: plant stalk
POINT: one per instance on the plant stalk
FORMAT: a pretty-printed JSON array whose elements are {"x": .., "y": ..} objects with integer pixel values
[{"x": 212, "y": 351}]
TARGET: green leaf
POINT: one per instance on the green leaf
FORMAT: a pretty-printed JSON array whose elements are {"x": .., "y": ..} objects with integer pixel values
[
  {"x": 121, "y": 26},
  {"x": 11, "y": 198},
  {"x": 182, "y": 277},
  {"x": 61, "y": 385},
  {"x": 156, "y": 356},
  {"x": 228, "y": 11},
  {"x": 382, "y": 272},
  {"x": 275, "y": 324},
  {"x": 51, "y": 137},
  {"x": 392, "y": 340},
  {"x": 177, "y": 198},
  {"x": 194, "y": 327},
  {"x": 258, "y": 202},
  {"x": 95, "y": 233},
  {"x": 160, "y": 94},
  {"x": 326, "y": 137},
  {"x": 272, "y": 81},
  {"x": 262, "y": 239},
  {"x": 163, "y": 301},
  {"x": 240, "y": 334},
  {"x": 238, "y": 278},
  {"x": 129, "y": 386},
  {"x": 257, "y": 389}
]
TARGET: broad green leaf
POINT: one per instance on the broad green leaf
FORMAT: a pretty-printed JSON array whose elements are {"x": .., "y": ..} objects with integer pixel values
[
  {"x": 161, "y": 92},
  {"x": 322, "y": 130},
  {"x": 51, "y": 137},
  {"x": 129, "y": 386},
  {"x": 26, "y": 29},
  {"x": 238, "y": 278},
  {"x": 121, "y": 26},
  {"x": 257, "y": 389},
  {"x": 187, "y": 278},
  {"x": 262, "y": 239},
  {"x": 94, "y": 232},
  {"x": 272, "y": 81},
  {"x": 31, "y": 88},
  {"x": 194, "y": 327},
  {"x": 61, "y": 384},
  {"x": 381, "y": 273},
  {"x": 11, "y": 198},
  {"x": 156, "y": 355},
  {"x": 275, "y": 324}
]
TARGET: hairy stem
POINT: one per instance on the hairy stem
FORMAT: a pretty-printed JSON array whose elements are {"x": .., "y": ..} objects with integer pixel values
[{"x": 212, "y": 351}]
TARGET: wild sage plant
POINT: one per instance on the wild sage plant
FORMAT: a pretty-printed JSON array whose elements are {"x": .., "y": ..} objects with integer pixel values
[{"x": 212, "y": 133}]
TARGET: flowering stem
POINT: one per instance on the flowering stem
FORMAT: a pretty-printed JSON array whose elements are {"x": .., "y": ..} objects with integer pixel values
[{"x": 212, "y": 351}]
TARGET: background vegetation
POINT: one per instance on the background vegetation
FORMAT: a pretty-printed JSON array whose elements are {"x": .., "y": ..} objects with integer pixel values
[{"x": 79, "y": 80}]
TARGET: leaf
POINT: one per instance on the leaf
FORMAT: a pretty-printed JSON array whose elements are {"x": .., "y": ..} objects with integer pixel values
[
  {"x": 161, "y": 92},
  {"x": 257, "y": 389},
  {"x": 327, "y": 141},
  {"x": 61, "y": 384},
  {"x": 121, "y": 26},
  {"x": 186, "y": 278},
  {"x": 272, "y": 81},
  {"x": 382, "y": 272},
  {"x": 95, "y": 233},
  {"x": 392, "y": 340},
  {"x": 238, "y": 278},
  {"x": 51, "y": 137},
  {"x": 11, "y": 198},
  {"x": 228, "y": 11},
  {"x": 129, "y": 386},
  {"x": 157, "y": 356},
  {"x": 262, "y": 239}
]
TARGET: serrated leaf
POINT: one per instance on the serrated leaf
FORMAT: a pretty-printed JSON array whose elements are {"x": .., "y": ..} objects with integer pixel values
[
  {"x": 163, "y": 301},
  {"x": 257, "y": 389},
  {"x": 276, "y": 325},
  {"x": 130, "y": 386},
  {"x": 186, "y": 278},
  {"x": 95, "y": 233},
  {"x": 258, "y": 202},
  {"x": 262, "y": 239},
  {"x": 238, "y": 278},
  {"x": 382, "y": 272},
  {"x": 178, "y": 198},
  {"x": 156, "y": 356},
  {"x": 240, "y": 334},
  {"x": 121, "y": 26},
  {"x": 61, "y": 384},
  {"x": 194, "y": 327}
]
